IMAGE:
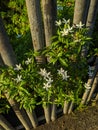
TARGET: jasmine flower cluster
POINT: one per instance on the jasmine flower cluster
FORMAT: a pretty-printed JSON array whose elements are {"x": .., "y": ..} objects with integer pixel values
[
  {"x": 63, "y": 73},
  {"x": 47, "y": 77}
]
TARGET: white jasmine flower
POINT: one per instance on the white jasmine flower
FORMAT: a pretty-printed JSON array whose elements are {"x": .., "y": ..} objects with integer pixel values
[
  {"x": 87, "y": 86},
  {"x": 44, "y": 73},
  {"x": 66, "y": 21},
  {"x": 49, "y": 80},
  {"x": 70, "y": 29},
  {"x": 47, "y": 86},
  {"x": 18, "y": 67},
  {"x": 28, "y": 61},
  {"x": 58, "y": 23},
  {"x": 65, "y": 76},
  {"x": 65, "y": 32},
  {"x": 63, "y": 73},
  {"x": 19, "y": 78},
  {"x": 80, "y": 25}
]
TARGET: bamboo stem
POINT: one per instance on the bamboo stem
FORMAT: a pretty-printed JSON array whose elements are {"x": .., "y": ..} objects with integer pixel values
[
  {"x": 5, "y": 124},
  {"x": 33, "y": 118},
  {"x": 66, "y": 107},
  {"x": 53, "y": 112},
  {"x": 47, "y": 113}
]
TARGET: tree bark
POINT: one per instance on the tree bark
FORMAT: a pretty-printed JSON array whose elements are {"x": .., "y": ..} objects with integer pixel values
[
  {"x": 19, "y": 113},
  {"x": 91, "y": 18},
  {"x": 35, "y": 20},
  {"x": 6, "y": 50},
  {"x": 49, "y": 11},
  {"x": 5, "y": 124},
  {"x": 80, "y": 11}
]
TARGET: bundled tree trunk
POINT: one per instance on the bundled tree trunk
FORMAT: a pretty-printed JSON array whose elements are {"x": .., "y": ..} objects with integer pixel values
[
  {"x": 80, "y": 11},
  {"x": 49, "y": 11},
  {"x": 4, "y": 124},
  {"x": 36, "y": 26},
  {"x": 9, "y": 59},
  {"x": 91, "y": 18},
  {"x": 6, "y": 50},
  {"x": 20, "y": 113}
]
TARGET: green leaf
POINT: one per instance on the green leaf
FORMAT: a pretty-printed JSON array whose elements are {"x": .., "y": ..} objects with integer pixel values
[{"x": 63, "y": 62}]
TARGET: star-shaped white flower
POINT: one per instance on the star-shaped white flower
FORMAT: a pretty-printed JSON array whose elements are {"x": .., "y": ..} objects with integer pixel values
[
  {"x": 19, "y": 78},
  {"x": 58, "y": 23},
  {"x": 66, "y": 21},
  {"x": 65, "y": 32},
  {"x": 44, "y": 73},
  {"x": 47, "y": 86},
  {"x": 49, "y": 80},
  {"x": 18, "y": 67},
  {"x": 80, "y": 25},
  {"x": 28, "y": 61},
  {"x": 63, "y": 73}
]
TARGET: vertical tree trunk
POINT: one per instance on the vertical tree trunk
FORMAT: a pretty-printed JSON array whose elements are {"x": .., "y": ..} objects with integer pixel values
[
  {"x": 5, "y": 124},
  {"x": 80, "y": 11},
  {"x": 35, "y": 20},
  {"x": 6, "y": 50},
  {"x": 9, "y": 59},
  {"x": 92, "y": 13},
  {"x": 49, "y": 8}
]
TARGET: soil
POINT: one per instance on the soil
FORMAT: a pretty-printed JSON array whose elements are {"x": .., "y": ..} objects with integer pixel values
[{"x": 84, "y": 119}]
